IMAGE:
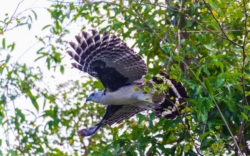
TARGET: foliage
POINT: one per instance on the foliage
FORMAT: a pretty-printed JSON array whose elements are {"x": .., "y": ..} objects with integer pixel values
[{"x": 203, "y": 44}]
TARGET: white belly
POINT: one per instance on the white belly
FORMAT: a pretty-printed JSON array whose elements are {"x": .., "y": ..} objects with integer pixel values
[{"x": 125, "y": 95}]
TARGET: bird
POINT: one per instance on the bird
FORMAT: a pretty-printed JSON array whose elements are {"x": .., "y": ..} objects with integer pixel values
[{"x": 121, "y": 71}]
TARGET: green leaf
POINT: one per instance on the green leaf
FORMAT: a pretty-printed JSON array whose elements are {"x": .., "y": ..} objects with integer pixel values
[
  {"x": 215, "y": 26},
  {"x": 62, "y": 69},
  {"x": 238, "y": 87},
  {"x": 34, "y": 13},
  {"x": 33, "y": 99},
  {"x": 46, "y": 26},
  {"x": 219, "y": 82},
  {"x": 186, "y": 148},
  {"x": 208, "y": 86},
  {"x": 20, "y": 114},
  {"x": 13, "y": 152},
  {"x": 205, "y": 70},
  {"x": 198, "y": 72},
  {"x": 58, "y": 26},
  {"x": 216, "y": 122},
  {"x": 214, "y": 5},
  {"x": 7, "y": 58},
  {"x": 209, "y": 47},
  {"x": 141, "y": 118},
  {"x": 178, "y": 58},
  {"x": 12, "y": 47},
  {"x": 202, "y": 136},
  {"x": 247, "y": 107},
  {"x": 136, "y": 89},
  {"x": 48, "y": 63},
  {"x": 3, "y": 43},
  {"x": 117, "y": 24},
  {"x": 71, "y": 6},
  {"x": 244, "y": 115}
]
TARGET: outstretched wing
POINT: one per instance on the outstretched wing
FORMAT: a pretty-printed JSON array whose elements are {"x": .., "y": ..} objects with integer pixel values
[
  {"x": 108, "y": 59},
  {"x": 114, "y": 114}
]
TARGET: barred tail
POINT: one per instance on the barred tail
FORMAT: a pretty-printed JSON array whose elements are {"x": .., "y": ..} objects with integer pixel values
[{"x": 173, "y": 100}]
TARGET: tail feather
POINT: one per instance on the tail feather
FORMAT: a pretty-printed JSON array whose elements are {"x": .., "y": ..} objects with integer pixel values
[{"x": 173, "y": 101}]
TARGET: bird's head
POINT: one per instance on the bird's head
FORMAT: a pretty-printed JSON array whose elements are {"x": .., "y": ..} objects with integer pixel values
[{"x": 95, "y": 97}]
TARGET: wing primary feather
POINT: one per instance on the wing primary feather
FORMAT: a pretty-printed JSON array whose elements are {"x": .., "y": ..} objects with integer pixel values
[
  {"x": 77, "y": 49},
  {"x": 105, "y": 40},
  {"x": 89, "y": 40},
  {"x": 75, "y": 57},
  {"x": 77, "y": 66},
  {"x": 83, "y": 46},
  {"x": 79, "y": 39},
  {"x": 97, "y": 38}
]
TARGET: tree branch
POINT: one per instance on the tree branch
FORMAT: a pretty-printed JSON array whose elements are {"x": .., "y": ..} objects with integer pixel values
[{"x": 244, "y": 99}]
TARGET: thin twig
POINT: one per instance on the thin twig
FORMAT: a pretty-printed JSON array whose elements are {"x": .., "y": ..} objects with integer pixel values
[
  {"x": 204, "y": 31},
  {"x": 6, "y": 26},
  {"x": 179, "y": 31}
]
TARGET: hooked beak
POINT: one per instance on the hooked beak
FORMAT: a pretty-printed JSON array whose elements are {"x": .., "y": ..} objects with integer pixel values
[{"x": 88, "y": 99}]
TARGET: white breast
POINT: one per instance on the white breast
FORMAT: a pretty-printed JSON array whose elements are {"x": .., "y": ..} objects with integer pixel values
[{"x": 125, "y": 95}]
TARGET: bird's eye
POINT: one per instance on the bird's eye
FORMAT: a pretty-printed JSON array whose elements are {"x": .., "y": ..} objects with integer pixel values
[{"x": 93, "y": 94}]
